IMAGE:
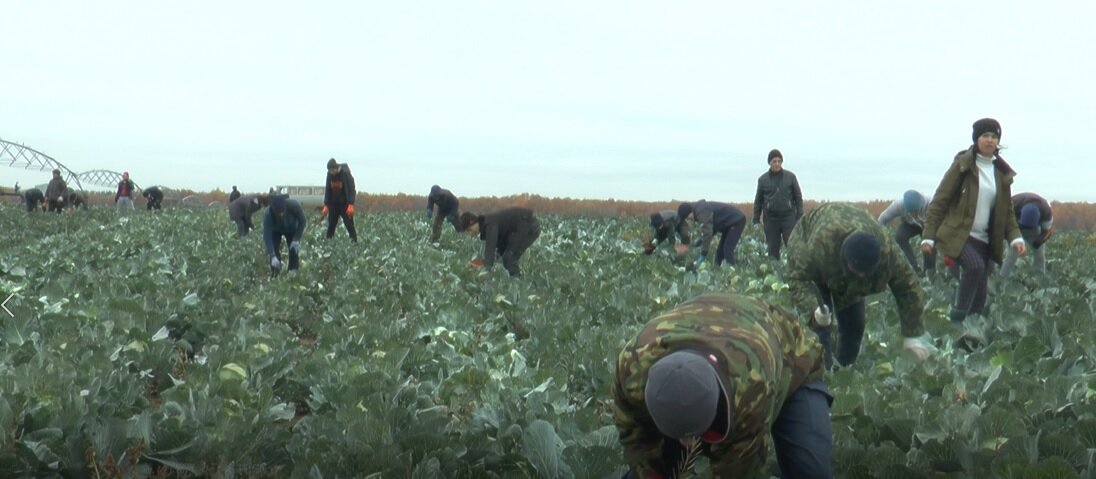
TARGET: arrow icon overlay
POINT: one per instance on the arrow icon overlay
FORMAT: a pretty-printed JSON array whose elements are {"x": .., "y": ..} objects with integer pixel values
[{"x": 4, "y": 305}]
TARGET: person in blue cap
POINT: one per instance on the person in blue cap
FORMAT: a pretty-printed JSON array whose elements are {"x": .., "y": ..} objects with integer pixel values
[
  {"x": 911, "y": 208},
  {"x": 284, "y": 220},
  {"x": 1036, "y": 221}
]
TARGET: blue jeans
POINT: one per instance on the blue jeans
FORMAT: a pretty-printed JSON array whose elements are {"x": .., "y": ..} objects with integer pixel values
[{"x": 802, "y": 437}]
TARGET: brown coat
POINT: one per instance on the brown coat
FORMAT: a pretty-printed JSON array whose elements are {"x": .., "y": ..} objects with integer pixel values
[{"x": 951, "y": 212}]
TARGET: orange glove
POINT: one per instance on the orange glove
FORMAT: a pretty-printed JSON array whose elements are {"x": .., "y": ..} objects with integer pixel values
[
  {"x": 350, "y": 210},
  {"x": 324, "y": 212}
]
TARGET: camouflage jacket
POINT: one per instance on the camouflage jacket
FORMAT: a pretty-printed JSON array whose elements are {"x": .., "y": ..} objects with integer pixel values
[
  {"x": 815, "y": 264},
  {"x": 762, "y": 355}
]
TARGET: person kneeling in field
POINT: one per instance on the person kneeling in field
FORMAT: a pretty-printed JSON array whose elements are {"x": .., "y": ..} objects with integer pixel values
[
  {"x": 715, "y": 376},
  {"x": 241, "y": 209},
  {"x": 509, "y": 231},
  {"x": 284, "y": 219}
]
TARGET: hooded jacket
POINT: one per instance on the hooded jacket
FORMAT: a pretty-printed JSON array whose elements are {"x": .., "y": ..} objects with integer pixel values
[
  {"x": 338, "y": 190},
  {"x": 292, "y": 224},
  {"x": 953, "y": 206}
]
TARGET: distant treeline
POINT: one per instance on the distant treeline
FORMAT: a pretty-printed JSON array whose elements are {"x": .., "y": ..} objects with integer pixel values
[{"x": 1067, "y": 216}]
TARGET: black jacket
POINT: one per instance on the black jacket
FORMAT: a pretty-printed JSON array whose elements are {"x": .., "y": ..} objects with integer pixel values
[
  {"x": 778, "y": 196},
  {"x": 497, "y": 227},
  {"x": 445, "y": 200},
  {"x": 715, "y": 218},
  {"x": 153, "y": 194},
  {"x": 338, "y": 190}
]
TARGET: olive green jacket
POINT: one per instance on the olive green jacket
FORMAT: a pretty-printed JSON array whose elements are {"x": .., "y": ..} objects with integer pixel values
[{"x": 951, "y": 212}]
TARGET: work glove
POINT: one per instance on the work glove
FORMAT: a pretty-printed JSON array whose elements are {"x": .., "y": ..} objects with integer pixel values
[
  {"x": 350, "y": 210},
  {"x": 918, "y": 347},
  {"x": 648, "y": 248},
  {"x": 275, "y": 263},
  {"x": 295, "y": 247},
  {"x": 949, "y": 262},
  {"x": 928, "y": 246},
  {"x": 699, "y": 261},
  {"x": 822, "y": 316},
  {"x": 324, "y": 212}
]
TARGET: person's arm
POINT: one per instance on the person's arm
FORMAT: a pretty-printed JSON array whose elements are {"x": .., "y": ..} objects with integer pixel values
[
  {"x": 706, "y": 218},
  {"x": 351, "y": 191},
  {"x": 941, "y": 200},
  {"x": 268, "y": 233},
  {"x": 803, "y": 280},
  {"x": 298, "y": 213},
  {"x": 639, "y": 438},
  {"x": 907, "y": 293},
  {"x": 797, "y": 198},
  {"x": 683, "y": 232},
  {"x": 759, "y": 202},
  {"x": 893, "y": 211},
  {"x": 490, "y": 237}
]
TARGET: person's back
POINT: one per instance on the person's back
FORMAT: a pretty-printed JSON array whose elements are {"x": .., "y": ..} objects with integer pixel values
[{"x": 33, "y": 199}]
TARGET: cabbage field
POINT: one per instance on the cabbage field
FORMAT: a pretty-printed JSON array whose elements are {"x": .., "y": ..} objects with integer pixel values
[{"x": 158, "y": 345}]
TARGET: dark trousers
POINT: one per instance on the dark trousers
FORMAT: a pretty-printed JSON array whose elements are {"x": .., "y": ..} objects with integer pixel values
[
  {"x": 802, "y": 437},
  {"x": 439, "y": 218},
  {"x": 905, "y": 233},
  {"x": 334, "y": 212},
  {"x": 973, "y": 262},
  {"x": 516, "y": 244},
  {"x": 664, "y": 233},
  {"x": 777, "y": 232},
  {"x": 56, "y": 206},
  {"x": 294, "y": 258},
  {"x": 850, "y": 332},
  {"x": 728, "y": 244},
  {"x": 244, "y": 226},
  {"x": 153, "y": 204}
]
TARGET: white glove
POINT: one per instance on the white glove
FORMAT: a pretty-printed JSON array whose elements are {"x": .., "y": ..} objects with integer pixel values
[
  {"x": 295, "y": 247},
  {"x": 822, "y": 316},
  {"x": 917, "y": 347},
  {"x": 275, "y": 263}
]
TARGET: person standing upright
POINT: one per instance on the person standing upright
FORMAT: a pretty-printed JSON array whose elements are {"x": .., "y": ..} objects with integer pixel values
[
  {"x": 55, "y": 192},
  {"x": 971, "y": 216},
  {"x": 780, "y": 200},
  {"x": 123, "y": 197},
  {"x": 234, "y": 195},
  {"x": 338, "y": 198}
]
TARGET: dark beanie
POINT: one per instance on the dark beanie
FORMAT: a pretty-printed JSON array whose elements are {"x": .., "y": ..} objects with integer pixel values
[
  {"x": 332, "y": 163},
  {"x": 985, "y": 125},
  {"x": 774, "y": 153},
  {"x": 861, "y": 251},
  {"x": 466, "y": 220},
  {"x": 279, "y": 203},
  {"x": 656, "y": 220},
  {"x": 683, "y": 211}
]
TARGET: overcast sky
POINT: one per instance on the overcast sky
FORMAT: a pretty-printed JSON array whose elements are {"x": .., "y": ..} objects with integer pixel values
[{"x": 635, "y": 100}]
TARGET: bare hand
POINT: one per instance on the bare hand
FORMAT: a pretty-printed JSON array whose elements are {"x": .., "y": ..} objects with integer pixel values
[{"x": 1020, "y": 248}]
